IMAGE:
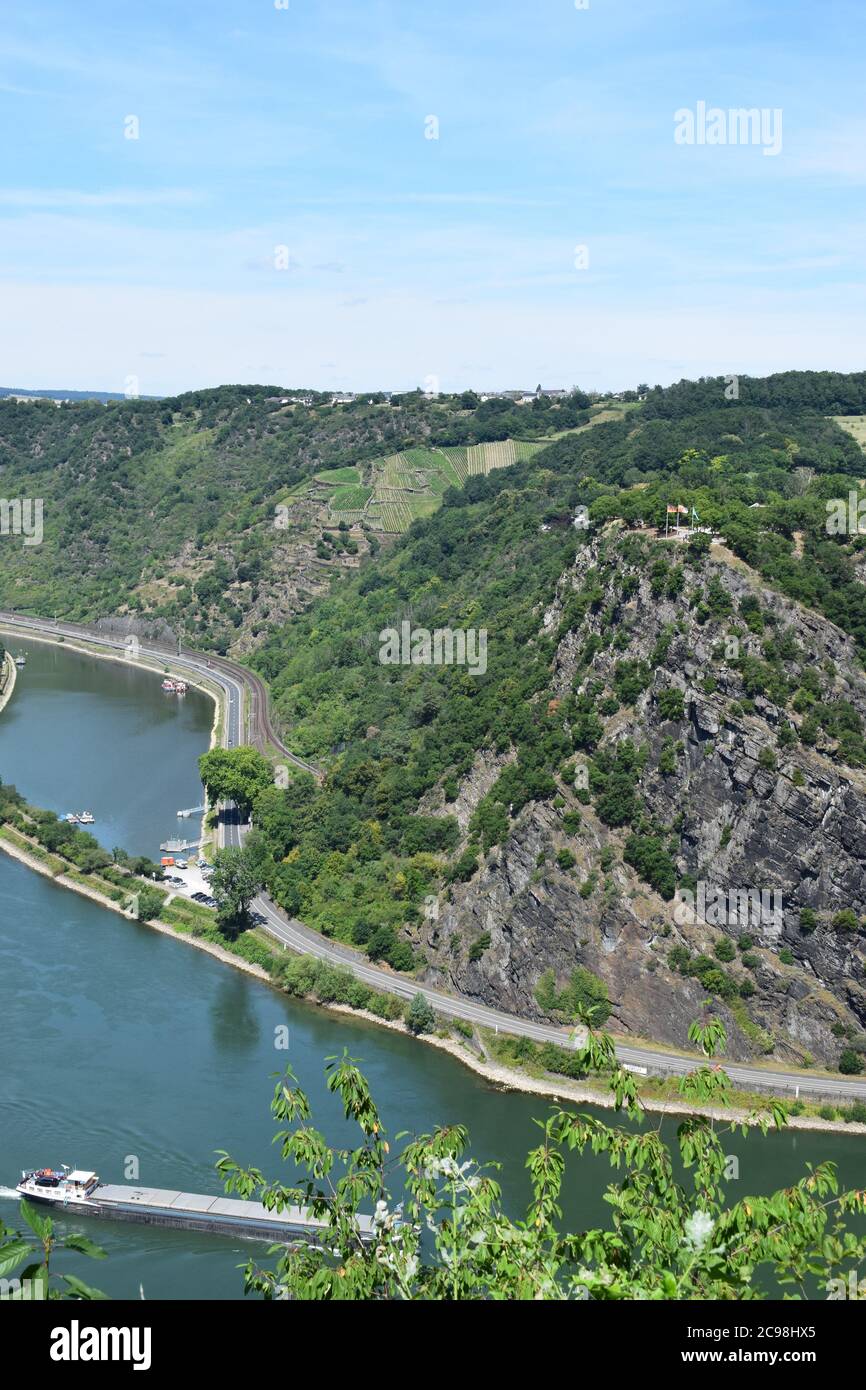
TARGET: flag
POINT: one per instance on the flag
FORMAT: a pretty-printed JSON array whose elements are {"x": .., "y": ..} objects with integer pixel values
[
  {"x": 695, "y": 516},
  {"x": 671, "y": 509},
  {"x": 684, "y": 510}
]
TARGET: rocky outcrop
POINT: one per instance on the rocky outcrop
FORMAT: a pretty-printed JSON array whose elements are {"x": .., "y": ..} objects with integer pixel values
[{"x": 740, "y": 813}]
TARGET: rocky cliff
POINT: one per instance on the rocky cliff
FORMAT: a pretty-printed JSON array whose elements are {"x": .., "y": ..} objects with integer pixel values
[{"x": 741, "y": 714}]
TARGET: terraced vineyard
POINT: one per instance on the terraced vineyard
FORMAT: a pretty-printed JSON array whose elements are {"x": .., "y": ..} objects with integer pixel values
[{"x": 406, "y": 485}]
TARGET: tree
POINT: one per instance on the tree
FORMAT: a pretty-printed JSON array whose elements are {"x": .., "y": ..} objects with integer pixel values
[
  {"x": 236, "y": 878},
  {"x": 850, "y": 1062},
  {"x": 420, "y": 1017},
  {"x": 147, "y": 903},
  {"x": 235, "y": 774},
  {"x": 677, "y": 1230}
]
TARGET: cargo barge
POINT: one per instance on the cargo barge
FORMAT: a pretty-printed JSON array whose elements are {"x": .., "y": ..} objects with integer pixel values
[{"x": 79, "y": 1190}]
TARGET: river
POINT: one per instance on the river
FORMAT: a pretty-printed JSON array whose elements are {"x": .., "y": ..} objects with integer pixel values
[{"x": 122, "y": 1043}]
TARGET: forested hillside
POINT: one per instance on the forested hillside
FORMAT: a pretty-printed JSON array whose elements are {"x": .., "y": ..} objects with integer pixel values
[
  {"x": 167, "y": 510},
  {"x": 605, "y": 644}
]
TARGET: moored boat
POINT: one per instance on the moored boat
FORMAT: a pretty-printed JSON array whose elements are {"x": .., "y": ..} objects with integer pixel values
[{"x": 87, "y": 818}]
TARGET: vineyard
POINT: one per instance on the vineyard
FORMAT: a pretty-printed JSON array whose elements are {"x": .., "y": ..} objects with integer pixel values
[{"x": 406, "y": 485}]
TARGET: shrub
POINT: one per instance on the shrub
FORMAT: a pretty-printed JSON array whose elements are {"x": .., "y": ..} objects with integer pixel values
[
  {"x": 845, "y": 920},
  {"x": 465, "y": 866},
  {"x": 648, "y": 855},
  {"x": 584, "y": 990},
  {"x": 678, "y": 959},
  {"x": 670, "y": 703},
  {"x": 420, "y": 1017},
  {"x": 479, "y": 946},
  {"x": 850, "y": 1062},
  {"x": 725, "y": 950},
  {"x": 566, "y": 859}
]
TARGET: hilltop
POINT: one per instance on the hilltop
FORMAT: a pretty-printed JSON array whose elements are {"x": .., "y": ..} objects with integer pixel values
[
  {"x": 210, "y": 515},
  {"x": 653, "y": 715}
]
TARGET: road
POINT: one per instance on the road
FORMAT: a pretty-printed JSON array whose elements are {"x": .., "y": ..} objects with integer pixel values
[{"x": 247, "y": 718}]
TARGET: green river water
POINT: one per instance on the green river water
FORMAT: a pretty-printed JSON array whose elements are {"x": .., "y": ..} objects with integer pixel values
[{"x": 121, "y": 1042}]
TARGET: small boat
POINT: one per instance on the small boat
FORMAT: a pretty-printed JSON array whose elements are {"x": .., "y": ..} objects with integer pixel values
[
  {"x": 58, "y": 1188},
  {"x": 87, "y": 818},
  {"x": 169, "y": 686},
  {"x": 70, "y": 817},
  {"x": 20, "y": 660}
]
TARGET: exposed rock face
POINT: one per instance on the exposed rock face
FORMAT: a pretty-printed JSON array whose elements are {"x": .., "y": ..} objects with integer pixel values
[{"x": 739, "y": 812}]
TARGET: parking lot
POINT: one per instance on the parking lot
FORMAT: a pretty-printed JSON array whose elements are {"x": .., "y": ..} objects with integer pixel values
[{"x": 187, "y": 881}]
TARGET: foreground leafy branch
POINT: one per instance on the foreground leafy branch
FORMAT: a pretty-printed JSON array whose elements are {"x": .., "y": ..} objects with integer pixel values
[
  {"x": 35, "y": 1252},
  {"x": 440, "y": 1231}
]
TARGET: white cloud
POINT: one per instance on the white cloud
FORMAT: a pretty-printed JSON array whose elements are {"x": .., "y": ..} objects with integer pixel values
[{"x": 111, "y": 198}]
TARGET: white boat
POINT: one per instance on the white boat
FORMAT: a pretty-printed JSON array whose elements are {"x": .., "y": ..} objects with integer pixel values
[
  {"x": 87, "y": 818},
  {"x": 70, "y": 817},
  {"x": 66, "y": 1188},
  {"x": 21, "y": 661}
]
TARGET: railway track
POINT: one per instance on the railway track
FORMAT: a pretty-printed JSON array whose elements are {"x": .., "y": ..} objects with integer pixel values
[{"x": 257, "y": 727}]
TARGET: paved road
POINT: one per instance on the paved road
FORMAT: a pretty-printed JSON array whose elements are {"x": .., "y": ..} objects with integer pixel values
[{"x": 242, "y": 695}]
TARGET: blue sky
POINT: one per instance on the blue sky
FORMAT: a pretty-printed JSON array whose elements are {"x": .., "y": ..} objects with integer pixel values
[{"x": 448, "y": 261}]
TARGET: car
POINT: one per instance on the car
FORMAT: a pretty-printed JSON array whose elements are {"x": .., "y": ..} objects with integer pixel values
[{"x": 199, "y": 897}]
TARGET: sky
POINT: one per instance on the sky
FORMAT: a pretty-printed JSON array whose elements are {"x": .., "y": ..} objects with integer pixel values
[{"x": 445, "y": 193}]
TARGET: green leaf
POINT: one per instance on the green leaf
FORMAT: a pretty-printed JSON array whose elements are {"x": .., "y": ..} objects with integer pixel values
[
  {"x": 84, "y": 1245},
  {"x": 82, "y": 1290},
  {"x": 41, "y": 1225},
  {"x": 12, "y": 1254}
]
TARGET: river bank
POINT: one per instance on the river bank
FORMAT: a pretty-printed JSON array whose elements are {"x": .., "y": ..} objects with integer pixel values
[
  {"x": 10, "y": 674},
  {"x": 523, "y": 1075},
  {"x": 505, "y": 1078}
]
